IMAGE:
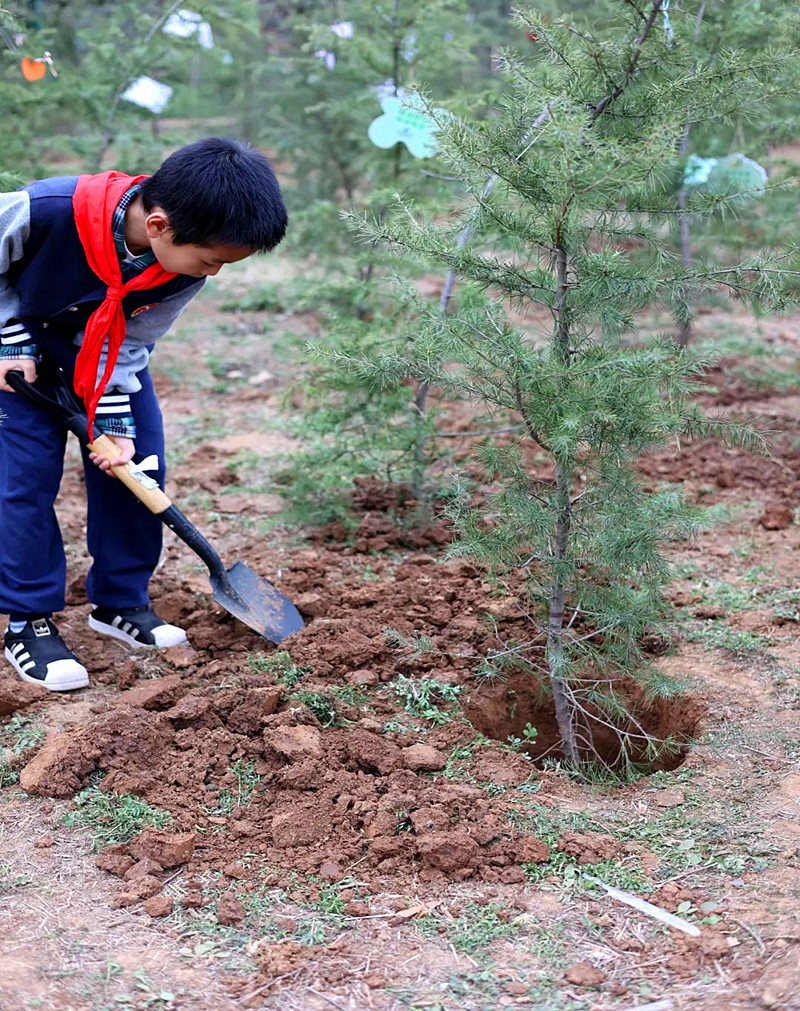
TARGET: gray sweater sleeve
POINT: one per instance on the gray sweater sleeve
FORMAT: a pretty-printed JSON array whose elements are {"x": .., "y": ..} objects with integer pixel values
[
  {"x": 141, "y": 331},
  {"x": 15, "y": 226}
]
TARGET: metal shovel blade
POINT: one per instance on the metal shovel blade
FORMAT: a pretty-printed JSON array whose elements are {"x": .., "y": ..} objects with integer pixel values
[{"x": 256, "y": 602}]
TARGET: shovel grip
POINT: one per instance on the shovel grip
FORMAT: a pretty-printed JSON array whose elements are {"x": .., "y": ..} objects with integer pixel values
[{"x": 140, "y": 483}]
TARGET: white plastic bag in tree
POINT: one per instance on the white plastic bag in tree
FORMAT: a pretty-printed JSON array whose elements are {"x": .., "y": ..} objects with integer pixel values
[
  {"x": 148, "y": 93},
  {"x": 204, "y": 36},
  {"x": 182, "y": 23}
]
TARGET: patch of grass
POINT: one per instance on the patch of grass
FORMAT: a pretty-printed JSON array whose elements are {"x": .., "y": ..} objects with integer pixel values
[
  {"x": 330, "y": 899},
  {"x": 731, "y": 342},
  {"x": 113, "y": 817},
  {"x": 622, "y": 872},
  {"x": 458, "y": 761},
  {"x": 9, "y": 883},
  {"x": 730, "y": 596},
  {"x": 722, "y": 513},
  {"x": 474, "y": 929},
  {"x": 21, "y": 733},
  {"x": 768, "y": 378},
  {"x": 749, "y": 594},
  {"x": 705, "y": 831},
  {"x": 549, "y": 943},
  {"x": 17, "y": 736},
  {"x": 745, "y": 549},
  {"x": 279, "y": 665},
  {"x": 257, "y": 298},
  {"x": 424, "y": 697},
  {"x": 714, "y": 634}
]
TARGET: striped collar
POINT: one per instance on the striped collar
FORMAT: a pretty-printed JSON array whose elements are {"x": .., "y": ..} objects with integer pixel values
[{"x": 129, "y": 268}]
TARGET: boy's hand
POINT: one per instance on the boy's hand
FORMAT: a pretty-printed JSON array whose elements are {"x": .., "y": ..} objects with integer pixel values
[
  {"x": 126, "y": 451},
  {"x": 27, "y": 366}
]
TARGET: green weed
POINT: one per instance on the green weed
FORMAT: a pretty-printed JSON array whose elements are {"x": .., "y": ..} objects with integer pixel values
[
  {"x": 474, "y": 929},
  {"x": 246, "y": 781},
  {"x": 279, "y": 665},
  {"x": 529, "y": 735},
  {"x": 113, "y": 817},
  {"x": 715, "y": 634},
  {"x": 320, "y": 704},
  {"x": 423, "y": 697},
  {"x": 350, "y": 695}
]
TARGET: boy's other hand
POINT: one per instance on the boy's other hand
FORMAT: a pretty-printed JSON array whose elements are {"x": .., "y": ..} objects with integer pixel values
[
  {"x": 27, "y": 366},
  {"x": 126, "y": 451}
]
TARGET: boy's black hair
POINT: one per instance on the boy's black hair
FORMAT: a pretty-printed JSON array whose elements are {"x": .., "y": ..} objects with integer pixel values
[{"x": 218, "y": 190}]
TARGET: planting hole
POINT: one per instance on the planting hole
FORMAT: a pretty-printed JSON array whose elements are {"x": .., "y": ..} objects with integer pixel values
[{"x": 509, "y": 711}]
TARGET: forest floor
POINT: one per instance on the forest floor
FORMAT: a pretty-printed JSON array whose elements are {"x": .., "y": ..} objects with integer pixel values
[{"x": 341, "y": 825}]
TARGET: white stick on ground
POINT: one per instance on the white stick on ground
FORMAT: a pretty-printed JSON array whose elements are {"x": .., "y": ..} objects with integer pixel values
[
  {"x": 656, "y": 1005},
  {"x": 647, "y": 907}
]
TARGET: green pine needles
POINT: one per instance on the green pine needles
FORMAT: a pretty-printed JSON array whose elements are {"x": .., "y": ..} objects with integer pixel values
[{"x": 573, "y": 180}]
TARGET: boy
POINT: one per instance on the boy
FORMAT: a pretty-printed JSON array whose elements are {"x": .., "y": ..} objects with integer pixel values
[{"x": 93, "y": 270}]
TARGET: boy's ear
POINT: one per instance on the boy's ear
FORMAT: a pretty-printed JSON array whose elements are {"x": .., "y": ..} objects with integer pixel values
[{"x": 156, "y": 223}]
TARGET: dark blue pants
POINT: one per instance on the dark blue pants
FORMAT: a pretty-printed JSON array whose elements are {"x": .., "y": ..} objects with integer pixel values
[{"x": 123, "y": 536}]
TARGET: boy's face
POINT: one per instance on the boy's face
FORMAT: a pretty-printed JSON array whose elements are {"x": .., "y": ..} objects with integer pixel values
[{"x": 194, "y": 260}]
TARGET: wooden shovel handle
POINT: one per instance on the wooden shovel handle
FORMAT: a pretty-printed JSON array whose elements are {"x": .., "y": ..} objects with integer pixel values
[{"x": 141, "y": 484}]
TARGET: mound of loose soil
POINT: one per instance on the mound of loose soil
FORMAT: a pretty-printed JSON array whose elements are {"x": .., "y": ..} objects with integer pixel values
[{"x": 368, "y": 790}]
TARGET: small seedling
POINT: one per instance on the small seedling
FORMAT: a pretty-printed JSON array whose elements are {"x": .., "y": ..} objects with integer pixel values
[{"x": 529, "y": 735}]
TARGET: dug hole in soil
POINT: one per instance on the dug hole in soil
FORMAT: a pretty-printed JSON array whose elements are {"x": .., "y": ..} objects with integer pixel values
[{"x": 367, "y": 790}]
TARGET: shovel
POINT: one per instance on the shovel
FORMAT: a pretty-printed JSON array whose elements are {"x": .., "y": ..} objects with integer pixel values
[{"x": 247, "y": 596}]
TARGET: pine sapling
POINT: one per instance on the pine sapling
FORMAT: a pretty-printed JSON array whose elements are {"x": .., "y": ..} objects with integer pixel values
[{"x": 574, "y": 236}]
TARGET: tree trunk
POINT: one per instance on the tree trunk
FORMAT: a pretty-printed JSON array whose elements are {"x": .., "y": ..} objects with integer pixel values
[
  {"x": 685, "y": 332},
  {"x": 564, "y": 708}
]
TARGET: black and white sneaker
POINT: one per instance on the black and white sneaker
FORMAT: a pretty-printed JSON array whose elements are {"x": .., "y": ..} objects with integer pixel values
[
  {"x": 41, "y": 656},
  {"x": 138, "y": 626}
]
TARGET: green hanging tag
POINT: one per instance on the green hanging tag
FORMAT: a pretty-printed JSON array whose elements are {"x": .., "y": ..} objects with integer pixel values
[{"x": 405, "y": 121}]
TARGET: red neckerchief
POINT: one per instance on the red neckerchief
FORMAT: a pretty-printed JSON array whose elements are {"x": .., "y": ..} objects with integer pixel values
[{"x": 93, "y": 203}]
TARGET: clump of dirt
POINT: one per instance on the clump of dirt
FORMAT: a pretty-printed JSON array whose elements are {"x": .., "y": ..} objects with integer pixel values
[
  {"x": 505, "y": 710},
  {"x": 16, "y": 695},
  {"x": 342, "y": 794}
]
